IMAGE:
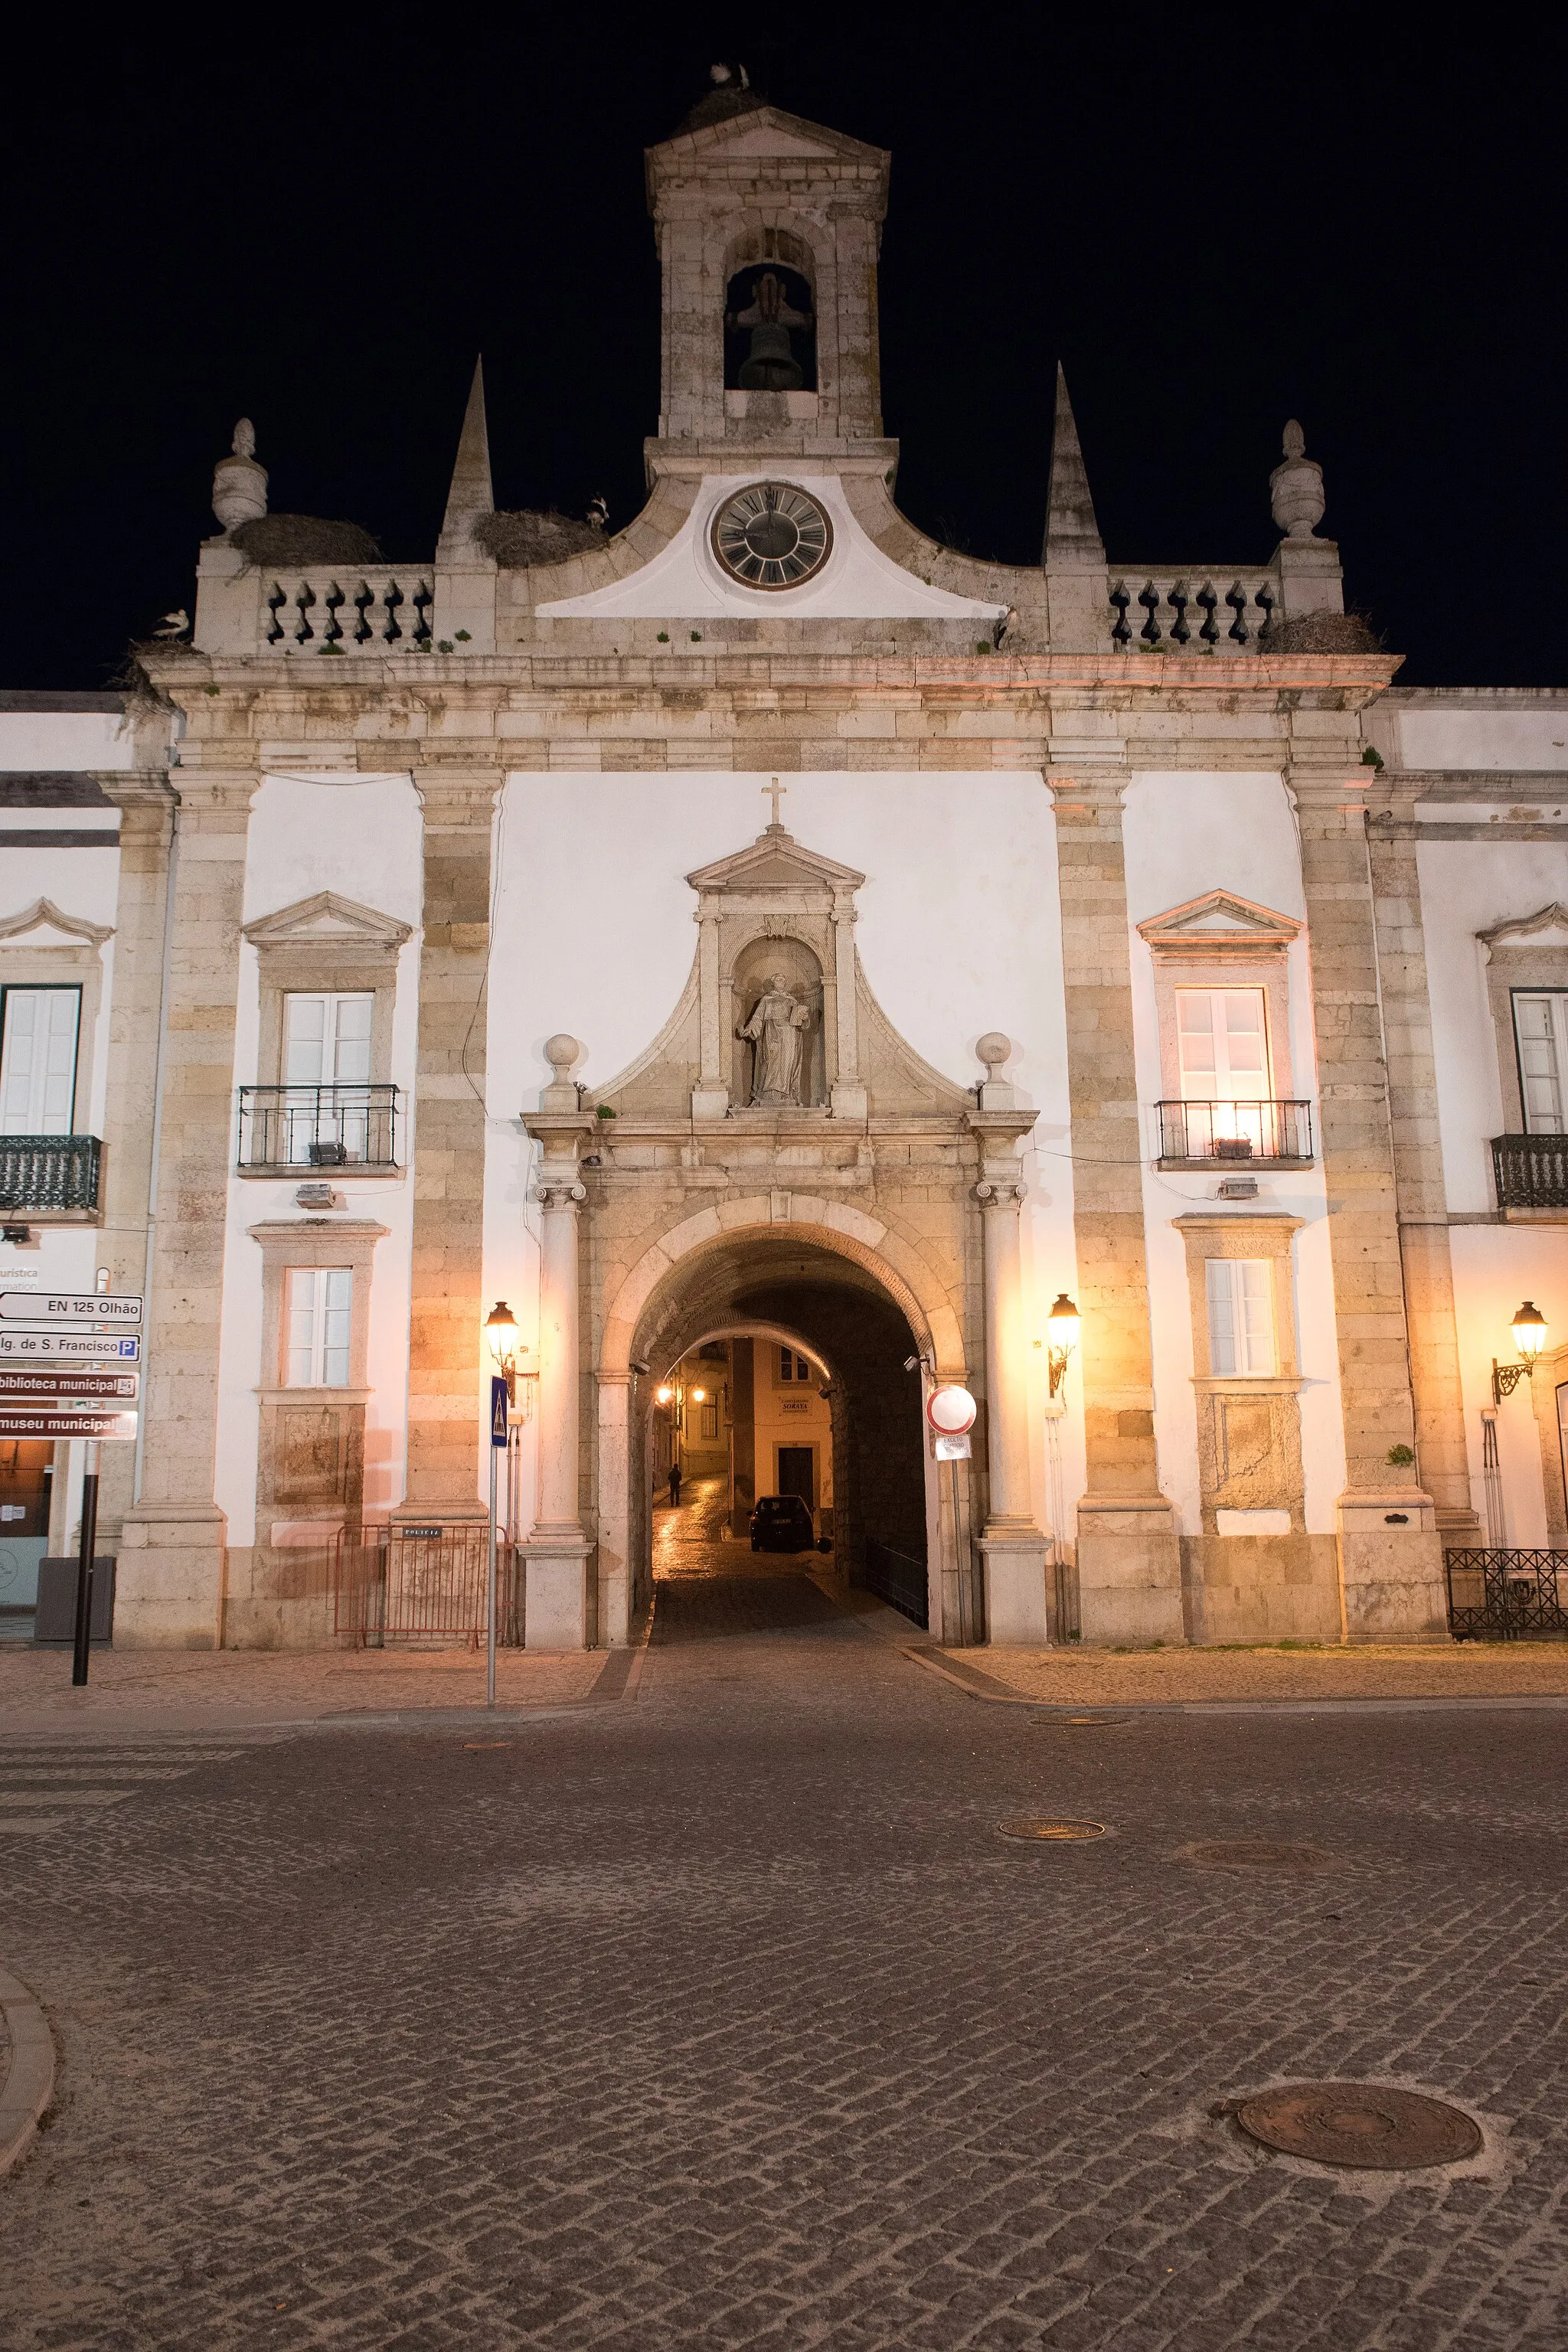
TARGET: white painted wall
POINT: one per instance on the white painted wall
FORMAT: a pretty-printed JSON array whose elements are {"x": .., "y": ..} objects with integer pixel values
[
  {"x": 64, "y": 739},
  {"x": 1494, "y": 731},
  {"x": 361, "y": 839},
  {"x": 959, "y": 933},
  {"x": 1186, "y": 834}
]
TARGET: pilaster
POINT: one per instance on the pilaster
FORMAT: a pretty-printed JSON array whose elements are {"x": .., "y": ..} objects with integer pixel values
[
  {"x": 447, "y": 1307},
  {"x": 556, "y": 1615},
  {"x": 1012, "y": 1545},
  {"x": 1129, "y": 1558},
  {"x": 173, "y": 1540},
  {"x": 1390, "y": 1553}
]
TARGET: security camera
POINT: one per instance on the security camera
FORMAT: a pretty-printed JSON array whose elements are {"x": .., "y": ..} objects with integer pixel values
[
  {"x": 912, "y": 1364},
  {"x": 637, "y": 1365}
]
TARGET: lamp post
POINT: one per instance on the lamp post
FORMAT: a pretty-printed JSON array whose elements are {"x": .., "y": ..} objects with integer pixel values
[
  {"x": 1529, "y": 1337},
  {"x": 1062, "y": 1338},
  {"x": 500, "y": 1330}
]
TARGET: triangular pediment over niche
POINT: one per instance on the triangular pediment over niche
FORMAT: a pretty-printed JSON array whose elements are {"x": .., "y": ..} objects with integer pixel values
[
  {"x": 1220, "y": 923},
  {"x": 1546, "y": 928},
  {"x": 328, "y": 921},
  {"x": 42, "y": 925},
  {"x": 774, "y": 861}
]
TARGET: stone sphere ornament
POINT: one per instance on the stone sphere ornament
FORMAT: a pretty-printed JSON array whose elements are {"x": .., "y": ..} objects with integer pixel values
[
  {"x": 770, "y": 535},
  {"x": 993, "y": 1051},
  {"x": 1296, "y": 487}
]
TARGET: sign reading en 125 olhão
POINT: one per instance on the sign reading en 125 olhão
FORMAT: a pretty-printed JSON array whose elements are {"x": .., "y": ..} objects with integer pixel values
[
  {"x": 69, "y": 1421},
  {"x": 108, "y": 1309}
]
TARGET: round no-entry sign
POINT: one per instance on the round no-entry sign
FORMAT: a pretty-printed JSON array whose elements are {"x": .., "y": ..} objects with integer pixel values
[{"x": 950, "y": 1411}]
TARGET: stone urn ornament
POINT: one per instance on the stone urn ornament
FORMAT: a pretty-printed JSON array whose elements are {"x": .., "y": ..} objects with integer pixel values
[
  {"x": 239, "y": 484},
  {"x": 1296, "y": 487}
]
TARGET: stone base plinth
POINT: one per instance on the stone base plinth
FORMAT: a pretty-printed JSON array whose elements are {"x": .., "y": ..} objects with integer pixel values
[
  {"x": 169, "y": 1588},
  {"x": 1261, "y": 1587},
  {"x": 1016, "y": 1590},
  {"x": 1128, "y": 1569},
  {"x": 555, "y": 1592},
  {"x": 1391, "y": 1567}
]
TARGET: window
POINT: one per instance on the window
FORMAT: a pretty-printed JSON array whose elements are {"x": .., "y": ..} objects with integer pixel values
[
  {"x": 327, "y": 1041},
  {"x": 792, "y": 1366},
  {"x": 1241, "y": 1317},
  {"x": 37, "y": 1060},
  {"x": 317, "y": 1309},
  {"x": 1540, "y": 1033},
  {"x": 1222, "y": 1045},
  {"x": 711, "y": 1418}
]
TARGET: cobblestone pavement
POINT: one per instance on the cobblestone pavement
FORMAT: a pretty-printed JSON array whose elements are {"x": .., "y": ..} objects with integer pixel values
[
  {"x": 724, "y": 2017},
  {"x": 1074, "y": 1676}
]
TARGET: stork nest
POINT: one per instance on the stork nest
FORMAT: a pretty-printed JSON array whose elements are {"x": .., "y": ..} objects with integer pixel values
[
  {"x": 519, "y": 542},
  {"x": 290, "y": 539},
  {"x": 1322, "y": 632}
]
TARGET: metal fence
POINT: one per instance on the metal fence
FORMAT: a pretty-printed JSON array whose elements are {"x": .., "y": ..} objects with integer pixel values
[
  {"x": 898, "y": 1579},
  {"x": 49, "y": 1171},
  {"x": 1505, "y": 1596},
  {"x": 1531, "y": 1172},
  {"x": 1244, "y": 1131},
  {"x": 318, "y": 1126},
  {"x": 405, "y": 1583}
]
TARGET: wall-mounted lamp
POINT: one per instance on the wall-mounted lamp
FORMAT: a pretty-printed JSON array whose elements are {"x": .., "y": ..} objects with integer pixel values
[
  {"x": 1529, "y": 1337},
  {"x": 501, "y": 1331},
  {"x": 664, "y": 1396},
  {"x": 699, "y": 1396},
  {"x": 1062, "y": 1328}
]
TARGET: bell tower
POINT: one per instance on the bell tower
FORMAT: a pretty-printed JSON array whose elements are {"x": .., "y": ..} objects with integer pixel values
[{"x": 768, "y": 231}]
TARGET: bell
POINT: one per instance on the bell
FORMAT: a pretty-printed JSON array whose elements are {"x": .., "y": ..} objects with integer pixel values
[{"x": 770, "y": 365}]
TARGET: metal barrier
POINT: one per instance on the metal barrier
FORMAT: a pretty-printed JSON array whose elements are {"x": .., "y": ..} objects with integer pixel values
[
  {"x": 405, "y": 1584},
  {"x": 898, "y": 1579},
  {"x": 1505, "y": 1596}
]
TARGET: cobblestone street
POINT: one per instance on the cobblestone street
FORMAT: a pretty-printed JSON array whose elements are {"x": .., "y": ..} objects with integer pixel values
[{"x": 722, "y": 2015}]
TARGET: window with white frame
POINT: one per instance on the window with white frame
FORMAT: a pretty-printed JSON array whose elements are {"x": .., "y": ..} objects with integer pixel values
[
  {"x": 1541, "y": 1032},
  {"x": 326, "y": 1040},
  {"x": 1222, "y": 1043},
  {"x": 37, "y": 1060},
  {"x": 1241, "y": 1317},
  {"x": 318, "y": 1311},
  {"x": 792, "y": 1366}
]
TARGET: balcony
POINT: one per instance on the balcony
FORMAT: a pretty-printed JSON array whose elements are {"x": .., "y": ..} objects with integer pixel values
[
  {"x": 1235, "y": 1135},
  {"x": 1531, "y": 1172},
  {"x": 350, "y": 1129},
  {"x": 50, "y": 1175}
]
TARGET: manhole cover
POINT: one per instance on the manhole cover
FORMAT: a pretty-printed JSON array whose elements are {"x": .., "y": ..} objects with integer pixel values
[
  {"x": 1255, "y": 1854},
  {"x": 1361, "y": 2123},
  {"x": 1051, "y": 1830}
]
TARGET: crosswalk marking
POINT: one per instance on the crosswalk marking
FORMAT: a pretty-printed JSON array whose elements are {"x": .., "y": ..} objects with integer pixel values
[{"x": 47, "y": 1788}]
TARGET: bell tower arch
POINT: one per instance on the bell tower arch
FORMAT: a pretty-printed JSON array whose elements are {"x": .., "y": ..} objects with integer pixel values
[{"x": 768, "y": 230}]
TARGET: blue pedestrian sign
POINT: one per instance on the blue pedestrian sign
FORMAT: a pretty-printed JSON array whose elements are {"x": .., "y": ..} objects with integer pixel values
[{"x": 498, "y": 1409}]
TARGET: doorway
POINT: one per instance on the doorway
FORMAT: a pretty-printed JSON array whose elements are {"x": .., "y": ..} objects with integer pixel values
[{"x": 797, "y": 1473}]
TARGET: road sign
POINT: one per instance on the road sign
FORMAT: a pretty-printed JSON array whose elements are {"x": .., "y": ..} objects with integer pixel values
[
  {"x": 70, "y": 1383},
  {"x": 109, "y": 1309},
  {"x": 68, "y": 1421},
  {"x": 100, "y": 1348},
  {"x": 951, "y": 1411},
  {"x": 952, "y": 1449},
  {"x": 498, "y": 1409}
]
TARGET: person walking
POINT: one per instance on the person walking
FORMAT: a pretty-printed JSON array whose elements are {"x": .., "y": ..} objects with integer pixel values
[{"x": 675, "y": 1486}]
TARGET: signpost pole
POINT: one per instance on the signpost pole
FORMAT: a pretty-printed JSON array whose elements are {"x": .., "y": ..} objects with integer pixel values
[
  {"x": 84, "y": 1567},
  {"x": 497, "y": 1444}
]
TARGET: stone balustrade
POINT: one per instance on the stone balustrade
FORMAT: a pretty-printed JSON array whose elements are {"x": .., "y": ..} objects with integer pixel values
[
  {"x": 346, "y": 609},
  {"x": 1191, "y": 612}
]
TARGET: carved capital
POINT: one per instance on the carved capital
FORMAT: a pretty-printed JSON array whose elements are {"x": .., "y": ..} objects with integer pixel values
[
  {"x": 560, "y": 1193},
  {"x": 1004, "y": 1194}
]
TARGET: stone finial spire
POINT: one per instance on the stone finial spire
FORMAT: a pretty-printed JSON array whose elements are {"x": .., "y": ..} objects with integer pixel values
[
  {"x": 470, "y": 494},
  {"x": 1296, "y": 487},
  {"x": 239, "y": 484},
  {"x": 1073, "y": 535}
]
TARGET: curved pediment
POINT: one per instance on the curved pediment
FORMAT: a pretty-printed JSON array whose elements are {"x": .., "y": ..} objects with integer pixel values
[
  {"x": 42, "y": 925},
  {"x": 1547, "y": 928}
]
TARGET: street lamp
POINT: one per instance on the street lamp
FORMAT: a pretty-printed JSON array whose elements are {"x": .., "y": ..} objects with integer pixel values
[
  {"x": 500, "y": 1330},
  {"x": 664, "y": 1396},
  {"x": 1529, "y": 1337},
  {"x": 1062, "y": 1328}
]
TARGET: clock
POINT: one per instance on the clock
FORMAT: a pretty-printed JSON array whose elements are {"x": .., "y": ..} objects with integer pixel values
[{"x": 770, "y": 535}]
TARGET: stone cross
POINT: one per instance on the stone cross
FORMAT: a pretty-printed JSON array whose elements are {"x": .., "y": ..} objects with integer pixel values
[{"x": 774, "y": 790}]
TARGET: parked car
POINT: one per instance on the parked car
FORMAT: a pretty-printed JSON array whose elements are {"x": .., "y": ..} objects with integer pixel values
[{"x": 782, "y": 1523}]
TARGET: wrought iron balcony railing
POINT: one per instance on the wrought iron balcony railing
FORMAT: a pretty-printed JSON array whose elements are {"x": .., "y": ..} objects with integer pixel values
[
  {"x": 1531, "y": 1172},
  {"x": 49, "y": 1171},
  {"x": 346, "y": 1128},
  {"x": 1234, "y": 1134}
]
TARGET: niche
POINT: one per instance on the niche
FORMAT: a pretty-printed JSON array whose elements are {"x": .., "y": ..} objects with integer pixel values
[{"x": 774, "y": 981}]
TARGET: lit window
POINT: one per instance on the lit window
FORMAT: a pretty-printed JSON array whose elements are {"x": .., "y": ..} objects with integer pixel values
[
  {"x": 1541, "y": 1028},
  {"x": 1241, "y": 1317},
  {"x": 319, "y": 1307},
  {"x": 711, "y": 1418},
  {"x": 1222, "y": 1043},
  {"x": 37, "y": 1060}
]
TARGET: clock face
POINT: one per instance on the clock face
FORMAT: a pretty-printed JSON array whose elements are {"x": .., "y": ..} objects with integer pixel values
[{"x": 770, "y": 535}]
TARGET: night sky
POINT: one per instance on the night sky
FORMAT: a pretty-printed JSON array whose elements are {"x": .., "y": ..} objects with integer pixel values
[{"x": 1215, "y": 218}]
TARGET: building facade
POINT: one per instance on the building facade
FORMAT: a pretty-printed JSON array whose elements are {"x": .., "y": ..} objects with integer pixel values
[{"x": 764, "y": 930}]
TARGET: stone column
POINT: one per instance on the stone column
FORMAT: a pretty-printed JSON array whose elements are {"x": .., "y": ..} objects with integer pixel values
[
  {"x": 446, "y": 1303},
  {"x": 557, "y": 1615},
  {"x": 173, "y": 1540},
  {"x": 1391, "y": 1557},
  {"x": 1128, "y": 1553},
  {"x": 850, "y": 1100},
  {"x": 1011, "y": 1546},
  {"x": 1421, "y": 1192},
  {"x": 145, "y": 799}
]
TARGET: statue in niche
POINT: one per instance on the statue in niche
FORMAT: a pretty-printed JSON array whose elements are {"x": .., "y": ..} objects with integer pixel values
[{"x": 775, "y": 1033}]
